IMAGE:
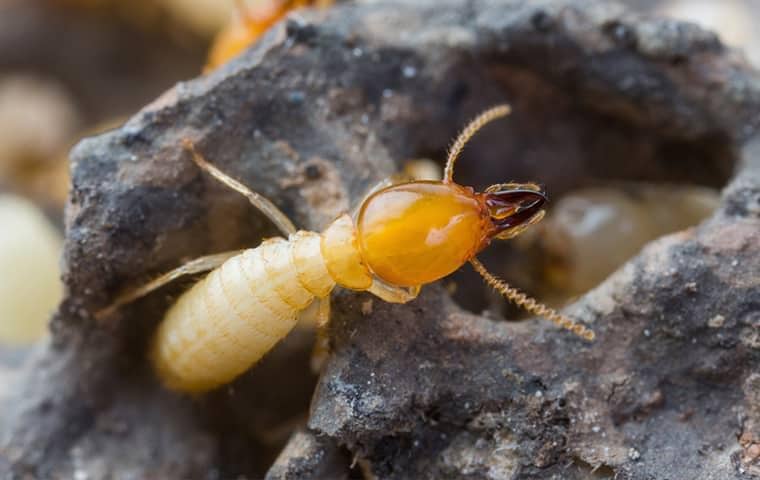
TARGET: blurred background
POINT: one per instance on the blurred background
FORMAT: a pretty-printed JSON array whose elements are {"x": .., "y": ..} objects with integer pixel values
[{"x": 72, "y": 68}]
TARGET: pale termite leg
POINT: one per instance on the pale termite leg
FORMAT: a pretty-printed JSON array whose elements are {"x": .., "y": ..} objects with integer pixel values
[
  {"x": 323, "y": 312},
  {"x": 392, "y": 293},
  {"x": 210, "y": 262},
  {"x": 201, "y": 264},
  {"x": 471, "y": 129},
  {"x": 531, "y": 305},
  {"x": 274, "y": 214},
  {"x": 322, "y": 345}
]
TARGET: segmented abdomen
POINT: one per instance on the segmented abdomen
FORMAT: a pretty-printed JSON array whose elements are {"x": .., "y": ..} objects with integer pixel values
[{"x": 226, "y": 322}]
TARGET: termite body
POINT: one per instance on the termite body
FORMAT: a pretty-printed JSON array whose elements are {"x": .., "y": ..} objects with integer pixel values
[
  {"x": 250, "y": 25},
  {"x": 401, "y": 237}
]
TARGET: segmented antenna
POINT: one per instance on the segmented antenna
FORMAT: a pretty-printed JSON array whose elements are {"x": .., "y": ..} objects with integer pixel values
[
  {"x": 530, "y": 304},
  {"x": 471, "y": 129}
]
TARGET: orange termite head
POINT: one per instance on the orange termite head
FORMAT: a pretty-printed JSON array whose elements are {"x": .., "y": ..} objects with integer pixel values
[
  {"x": 513, "y": 207},
  {"x": 418, "y": 232}
]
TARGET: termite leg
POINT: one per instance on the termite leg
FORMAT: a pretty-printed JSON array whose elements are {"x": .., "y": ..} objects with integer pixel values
[
  {"x": 392, "y": 293},
  {"x": 263, "y": 204},
  {"x": 198, "y": 265},
  {"x": 323, "y": 312},
  {"x": 322, "y": 345}
]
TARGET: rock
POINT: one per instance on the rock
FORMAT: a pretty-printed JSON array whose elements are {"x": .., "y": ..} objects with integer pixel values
[{"x": 325, "y": 106}]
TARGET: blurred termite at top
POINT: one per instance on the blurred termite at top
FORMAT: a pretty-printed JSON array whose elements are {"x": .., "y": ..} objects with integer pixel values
[
  {"x": 236, "y": 23},
  {"x": 249, "y": 24}
]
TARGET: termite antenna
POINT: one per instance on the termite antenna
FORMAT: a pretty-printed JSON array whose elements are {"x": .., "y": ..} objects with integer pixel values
[
  {"x": 471, "y": 129},
  {"x": 274, "y": 214},
  {"x": 530, "y": 304}
]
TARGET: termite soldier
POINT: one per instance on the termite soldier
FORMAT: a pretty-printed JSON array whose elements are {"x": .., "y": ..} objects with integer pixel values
[{"x": 402, "y": 236}]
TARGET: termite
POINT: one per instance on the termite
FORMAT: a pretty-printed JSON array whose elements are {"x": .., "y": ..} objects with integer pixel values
[
  {"x": 401, "y": 236},
  {"x": 249, "y": 25}
]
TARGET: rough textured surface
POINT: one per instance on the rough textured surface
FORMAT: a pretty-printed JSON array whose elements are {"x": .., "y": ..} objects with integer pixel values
[{"x": 322, "y": 108}]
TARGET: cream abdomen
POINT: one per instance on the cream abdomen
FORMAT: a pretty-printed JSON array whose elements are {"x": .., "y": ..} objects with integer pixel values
[{"x": 228, "y": 321}]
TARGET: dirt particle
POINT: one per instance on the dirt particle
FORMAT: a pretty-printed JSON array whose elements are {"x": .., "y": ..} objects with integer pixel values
[{"x": 717, "y": 321}]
